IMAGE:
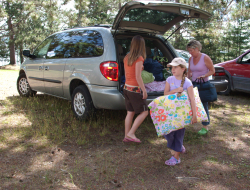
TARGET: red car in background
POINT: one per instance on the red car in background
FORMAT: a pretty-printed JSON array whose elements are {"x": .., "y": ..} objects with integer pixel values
[{"x": 237, "y": 73}]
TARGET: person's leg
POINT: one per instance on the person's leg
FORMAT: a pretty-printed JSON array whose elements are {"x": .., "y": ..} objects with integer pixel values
[
  {"x": 205, "y": 124},
  {"x": 128, "y": 121},
  {"x": 170, "y": 139},
  {"x": 177, "y": 155},
  {"x": 139, "y": 119},
  {"x": 175, "y": 142},
  {"x": 178, "y": 142}
]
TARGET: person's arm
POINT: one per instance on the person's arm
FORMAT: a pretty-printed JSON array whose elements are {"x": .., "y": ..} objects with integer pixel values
[
  {"x": 190, "y": 91},
  {"x": 189, "y": 74},
  {"x": 138, "y": 70},
  {"x": 168, "y": 92},
  {"x": 210, "y": 66}
]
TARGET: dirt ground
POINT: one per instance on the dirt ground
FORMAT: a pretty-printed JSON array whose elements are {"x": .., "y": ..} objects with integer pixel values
[{"x": 219, "y": 160}]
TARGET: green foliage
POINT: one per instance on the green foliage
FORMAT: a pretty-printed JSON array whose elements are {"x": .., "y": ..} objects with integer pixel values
[
  {"x": 28, "y": 22},
  {"x": 4, "y": 53},
  {"x": 236, "y": 39},
  {"x": 226, "y": 31}
]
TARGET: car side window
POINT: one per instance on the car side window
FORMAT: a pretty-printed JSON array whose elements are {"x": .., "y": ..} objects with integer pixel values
[
  {"x": 246, "y": 58},
  {"x": 42, "y": 49},
  {"x": 76, "y": 44},
  {"x": 57, "y": 47}
]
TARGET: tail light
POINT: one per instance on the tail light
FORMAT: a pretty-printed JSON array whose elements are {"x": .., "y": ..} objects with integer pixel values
[
  {"x": 109, "y": 70},
  {"x": 219, "y": 74}
]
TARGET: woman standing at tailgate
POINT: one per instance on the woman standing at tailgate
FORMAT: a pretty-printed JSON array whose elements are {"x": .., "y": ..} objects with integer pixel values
[{"x": 134, "y": 90}]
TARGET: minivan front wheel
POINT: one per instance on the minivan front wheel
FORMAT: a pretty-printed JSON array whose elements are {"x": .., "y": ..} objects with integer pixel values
[
  {"x": 81, "y": 103},
  {"x": 23, "y": 86}
]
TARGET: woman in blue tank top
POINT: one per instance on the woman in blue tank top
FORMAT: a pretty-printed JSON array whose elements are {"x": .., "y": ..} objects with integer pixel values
[{"x": 200, "y": 66}]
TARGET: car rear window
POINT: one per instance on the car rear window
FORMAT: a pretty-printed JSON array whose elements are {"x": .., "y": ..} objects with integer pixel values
[
  {"x": 76, "y": 44},
  {"x": 149, "y": 16}
]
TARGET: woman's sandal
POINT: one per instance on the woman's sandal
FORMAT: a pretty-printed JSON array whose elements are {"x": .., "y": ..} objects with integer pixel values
[
  {"x": 172, "y": 161},
  {"x": 203, "y": 131},
  {"x": 132, "y": 140}
]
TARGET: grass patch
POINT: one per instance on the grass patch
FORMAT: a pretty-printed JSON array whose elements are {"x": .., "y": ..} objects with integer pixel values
[
  {"x": 43, "y": 145},
  {"x": 52, "y": 117},
  {"x": 212, "y": 159},
  {"x": 192, "y": 137},
  {"x": 215, "y": 105}
]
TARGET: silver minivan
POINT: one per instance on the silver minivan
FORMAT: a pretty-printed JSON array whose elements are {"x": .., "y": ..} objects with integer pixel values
[{"x": 85, "y": 65}]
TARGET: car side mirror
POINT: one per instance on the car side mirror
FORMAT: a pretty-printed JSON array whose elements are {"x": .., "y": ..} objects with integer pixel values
[
  {"x": 26, "y": 53},
  {"x": 238, "y": 60}
]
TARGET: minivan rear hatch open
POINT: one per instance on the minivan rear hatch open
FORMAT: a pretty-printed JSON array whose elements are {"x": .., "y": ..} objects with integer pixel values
[{"x": 154, "y": 17}]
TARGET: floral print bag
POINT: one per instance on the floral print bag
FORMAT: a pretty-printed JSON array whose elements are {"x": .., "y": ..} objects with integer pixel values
[{"x": 170, "y": 113}]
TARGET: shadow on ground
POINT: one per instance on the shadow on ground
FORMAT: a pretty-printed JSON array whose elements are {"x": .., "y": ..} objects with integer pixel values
[{"x": 44, "y": 147}]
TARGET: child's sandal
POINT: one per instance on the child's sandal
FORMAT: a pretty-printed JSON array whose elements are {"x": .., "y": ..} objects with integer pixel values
[
  {"x": 172, "y": 161},
  {"x": 183, "y": 149}
]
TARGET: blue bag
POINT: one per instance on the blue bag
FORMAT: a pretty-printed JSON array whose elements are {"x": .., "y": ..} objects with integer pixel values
[
  {"x": 207, "y": 91},
  {"x": 153, "y": 66}
]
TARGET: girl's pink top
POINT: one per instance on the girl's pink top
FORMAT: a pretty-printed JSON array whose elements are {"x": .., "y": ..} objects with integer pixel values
[{"x": 199, "y": 69}]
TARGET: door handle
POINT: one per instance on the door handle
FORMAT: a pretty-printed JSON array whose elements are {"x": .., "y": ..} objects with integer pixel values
[
  {"x": 46, "y": 68},
  {"x": 40, "y": 68}
]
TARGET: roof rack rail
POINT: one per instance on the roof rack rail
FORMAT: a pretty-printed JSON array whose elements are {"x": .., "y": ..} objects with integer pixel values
[
  {"x": 96, "y": 25},
  {"x": 102, "y": 25}
]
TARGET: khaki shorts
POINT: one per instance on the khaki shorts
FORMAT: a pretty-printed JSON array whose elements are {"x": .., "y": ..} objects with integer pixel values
[{"x": 134, "y": 101}]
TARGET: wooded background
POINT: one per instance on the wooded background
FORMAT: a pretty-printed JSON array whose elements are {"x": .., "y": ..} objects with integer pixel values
[{"x": 24, "y": 24}]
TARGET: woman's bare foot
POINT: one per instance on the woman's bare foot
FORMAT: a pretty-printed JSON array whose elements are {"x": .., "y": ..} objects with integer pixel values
[{"x": 131, "y": 136}]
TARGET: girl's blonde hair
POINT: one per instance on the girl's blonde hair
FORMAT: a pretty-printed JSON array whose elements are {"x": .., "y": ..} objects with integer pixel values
[
  {"x": 137, "y": 49},
  {"x": 183, "y": 78}
]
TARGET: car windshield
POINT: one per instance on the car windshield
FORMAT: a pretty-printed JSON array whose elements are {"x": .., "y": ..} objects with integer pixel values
[
  {"x": 149, "y": 16},
  {"x": 183, "y": 54}
]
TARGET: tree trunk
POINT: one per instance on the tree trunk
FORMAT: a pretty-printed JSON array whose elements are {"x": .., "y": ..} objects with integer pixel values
[
  {"x": 79, "y": 14},
  {"x": 11, "y": 42},
  {"x": 21, "y": 53},
  {"x": 119, "y": 5}
]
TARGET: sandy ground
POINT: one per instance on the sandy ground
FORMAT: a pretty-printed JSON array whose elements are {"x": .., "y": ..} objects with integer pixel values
[{"x": 7, "y": 87}]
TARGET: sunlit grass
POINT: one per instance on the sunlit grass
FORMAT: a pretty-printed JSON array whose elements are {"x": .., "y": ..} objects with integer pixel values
[{"x": 52, "y": 117}]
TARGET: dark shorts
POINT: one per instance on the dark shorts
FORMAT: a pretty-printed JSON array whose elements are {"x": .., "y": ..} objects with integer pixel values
[
  {"x": 175, "y": 139},
  {"x": 134, "y": 102}
]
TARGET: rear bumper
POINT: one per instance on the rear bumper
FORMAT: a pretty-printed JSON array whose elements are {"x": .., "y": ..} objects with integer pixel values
[
  {"x": 105, "y": 97},
  {"x": 220, "y": 85}
]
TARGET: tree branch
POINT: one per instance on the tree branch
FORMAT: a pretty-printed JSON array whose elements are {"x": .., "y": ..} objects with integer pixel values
[{"x": 17, "y": 24}]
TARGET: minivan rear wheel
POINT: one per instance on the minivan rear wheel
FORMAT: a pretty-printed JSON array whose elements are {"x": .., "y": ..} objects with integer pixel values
[
  {"x": 23, "y": 86},
  {"x": 81, "y": 103},
  {"x": 228, "y": 90}
]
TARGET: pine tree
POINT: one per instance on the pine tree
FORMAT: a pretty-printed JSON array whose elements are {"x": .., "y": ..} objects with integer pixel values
[{"x": 27, "y": 23}]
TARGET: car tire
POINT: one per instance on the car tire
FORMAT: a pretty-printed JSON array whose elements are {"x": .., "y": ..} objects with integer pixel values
[
  {"x": 23, "y": 86},
  {"x": 228, "y": 90},
  {"x": 81, "y": 103}
]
